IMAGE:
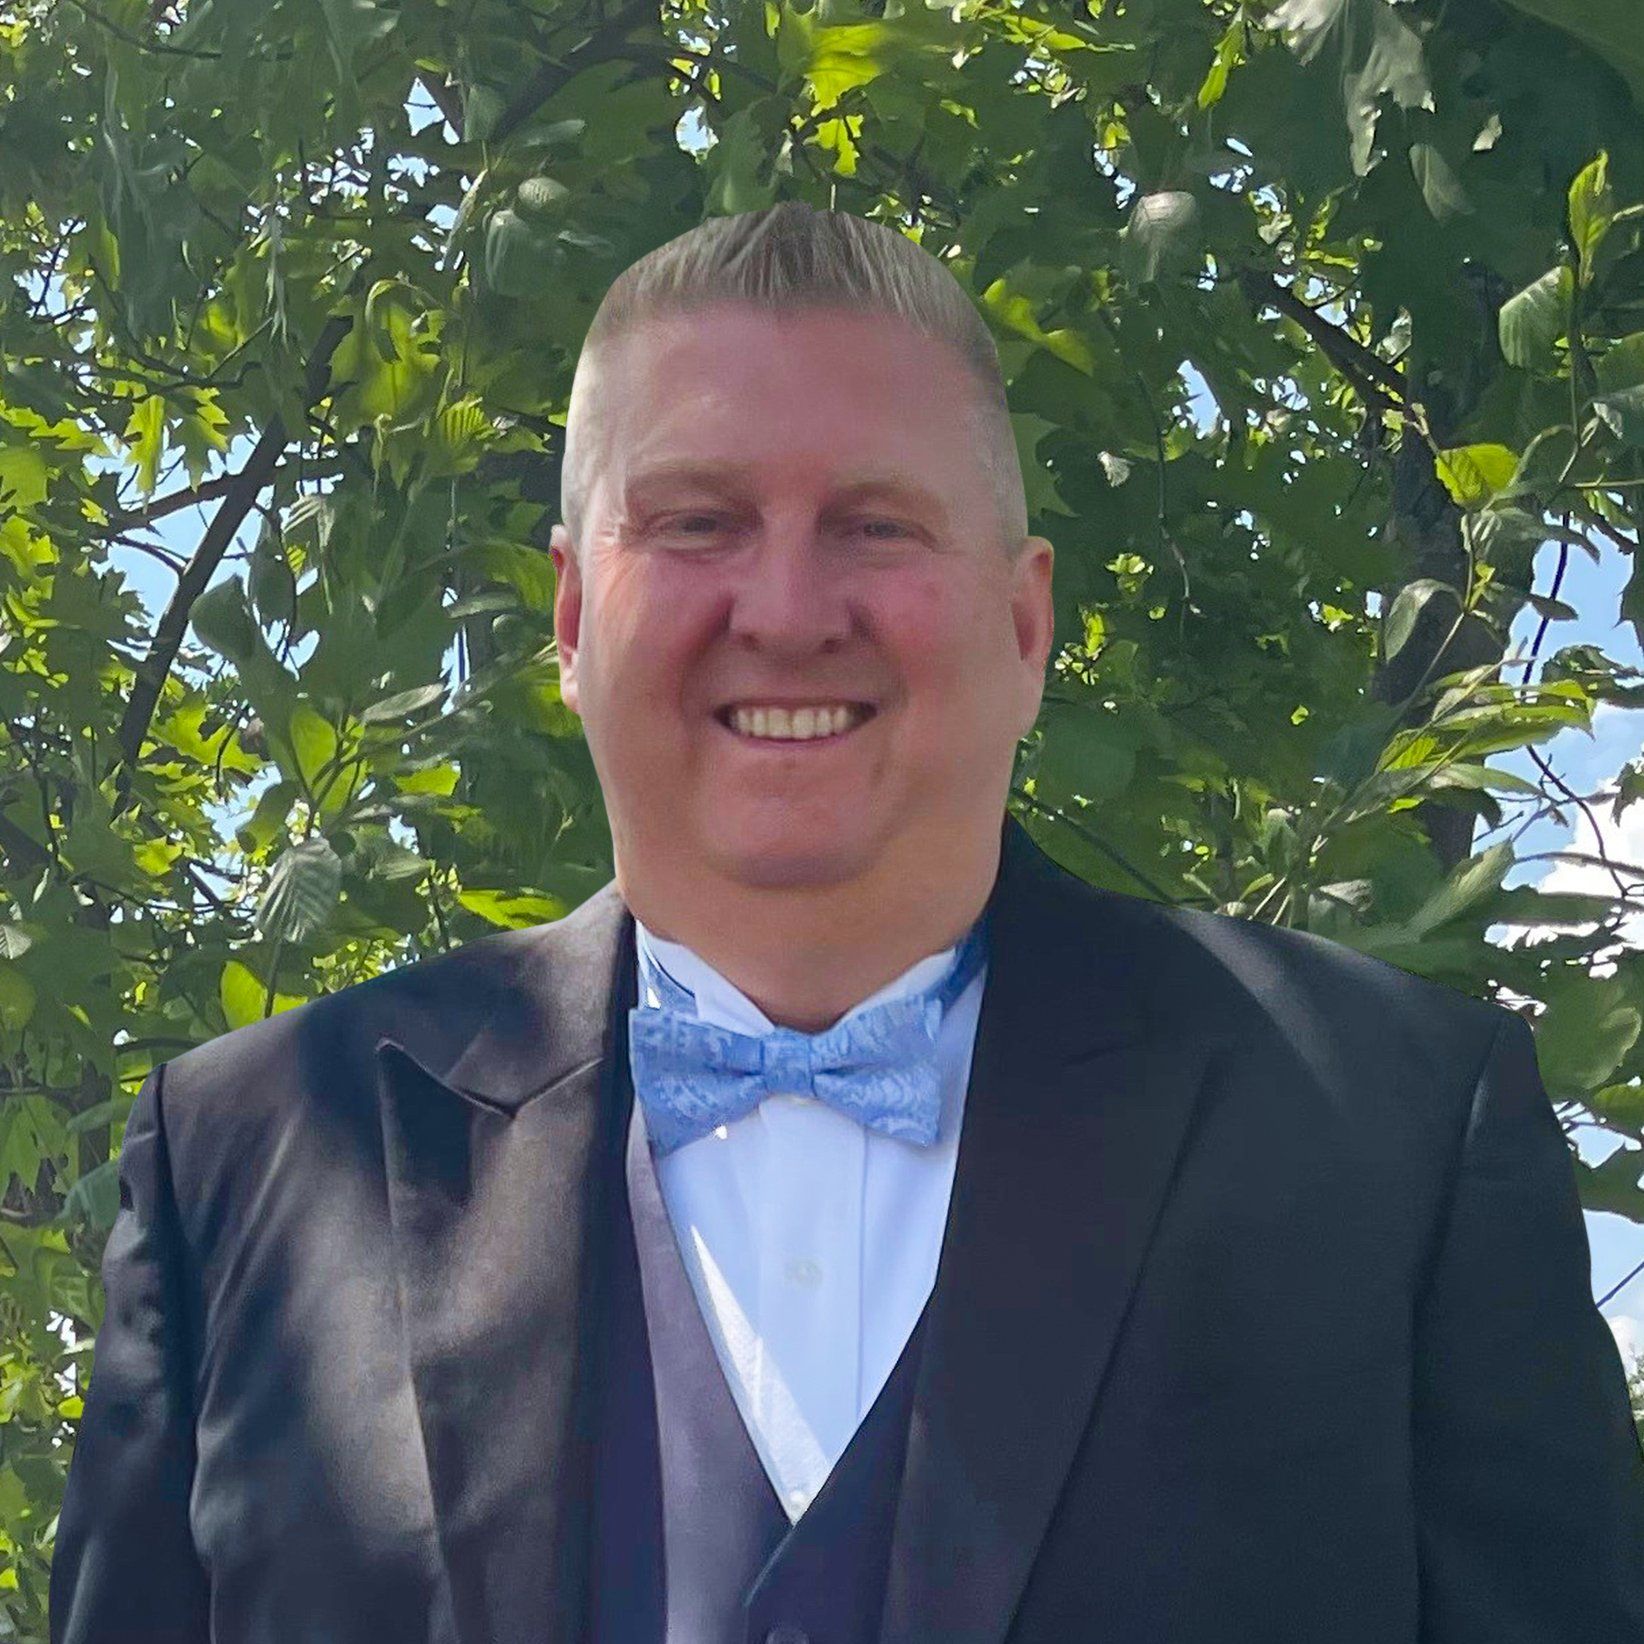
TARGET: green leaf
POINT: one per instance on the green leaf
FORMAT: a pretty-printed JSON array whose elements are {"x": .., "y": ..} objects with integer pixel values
[
  {"x": 542, "y": 198},
  {"x": 1532, "y": 322},
  {"x": 1038, "y": 478},
  {"x": 1612, "y": 1186},
  {"x": 1406, "y": 610},
  {"x": 268, "y": 820},
  {"x": 16, "y": 999},
  {"x": 221, "y": 620},
  {"x": 94, "y": 1198},
  {"x": 439, "y": 779},
  {"x": 201, "y": 431},
  {"x": 528, "y": 571},
  {"x": 1463, "y": 774},
  {"x": 1015, "y": 311},
  {"x": 145, "y": 438},
  {"x": 1623, "y": 414},
  {"x": 24, "y": 478},
  {"x": 390, "y": 362},
  {"x": 517, "y": 254},
  {"x": 1440, "y": 186},
  {"x": 1591, "y": 210},
  {"x": 737, "y": 167},
  {"x": 242, "y": 995},
  {"x": 1465, "y": 888},
  {"x": 1229, "y": 53},
  {"x": 513, "y": 910},
  {"x": 149, "y": 208},
  {"x": 314, "y": 741},
  {"x": 302, "y": 891},
  {"x": 483, "y": 105},
  {"x": 94, "y": 1117},
  {"x": 1524, "y": 906},
  {"x": 1621, "y": 1105},
  {"x": 1475, "y": 474},
  {"x": 456, "y": 438},
  {"x": 1375, "y": 53},
  {"x": 1622, "y": 364},
  {"x": 378, "y": 326},
  {"x": 1609, "y": 27},
  {"x": 403, "y": 704},
  {"x": 272, "y": 585},
  {"x": 351, "y": 24},
  {"x": 1583, "y": 1035},
  {"x": 31, "y": 1129},
  {"x": 1555, "y": 610},
  {"x": 1086, "y": 751}
]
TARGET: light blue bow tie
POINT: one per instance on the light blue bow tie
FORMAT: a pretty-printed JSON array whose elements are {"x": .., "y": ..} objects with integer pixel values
[{"x": 878, "y": 1066}]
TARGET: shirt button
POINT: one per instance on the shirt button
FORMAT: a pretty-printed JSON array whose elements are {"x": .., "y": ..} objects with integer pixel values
[
  {"x": 783, "y": 1633},
  {"x": 805, "y": 1273},
  {"x": 799, "y": 1498}
]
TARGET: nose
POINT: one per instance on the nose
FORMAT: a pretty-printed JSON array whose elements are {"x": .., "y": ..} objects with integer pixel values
[{"x": 791, "y": 597}]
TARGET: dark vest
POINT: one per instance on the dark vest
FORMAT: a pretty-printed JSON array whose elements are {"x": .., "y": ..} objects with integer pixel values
[{"x": 690, "y": 1543}]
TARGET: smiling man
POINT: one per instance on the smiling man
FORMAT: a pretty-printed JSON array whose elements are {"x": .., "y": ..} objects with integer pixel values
[
  {"x": 804, "y": 624},
  {"x": 846, "y": 1225}
]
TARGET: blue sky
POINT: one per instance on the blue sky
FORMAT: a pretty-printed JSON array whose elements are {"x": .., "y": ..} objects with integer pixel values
[{"x": 1586, "y": 763}]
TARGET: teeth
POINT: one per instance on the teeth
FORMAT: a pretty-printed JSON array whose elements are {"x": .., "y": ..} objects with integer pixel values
[{"x": 797, "y": 725}]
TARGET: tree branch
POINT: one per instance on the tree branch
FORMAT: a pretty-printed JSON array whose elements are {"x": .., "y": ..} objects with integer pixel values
[
  {"x": 238, "y": 497},
  {"x": 190, "y": 497},
  {"x": 605, "y": 43},
  {"x": 1374, "y": 379}
]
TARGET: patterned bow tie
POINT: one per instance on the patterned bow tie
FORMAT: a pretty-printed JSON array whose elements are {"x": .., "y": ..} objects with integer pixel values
[{"x": 877, "y": 1066}]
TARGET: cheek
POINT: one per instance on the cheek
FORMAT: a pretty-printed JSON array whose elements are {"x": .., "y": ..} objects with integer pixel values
[
  {"x": 647, "y": 627},
  {"x": 945, "y": 635}
]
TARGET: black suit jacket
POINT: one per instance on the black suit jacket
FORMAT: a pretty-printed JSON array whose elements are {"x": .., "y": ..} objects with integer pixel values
[{"x": 1262, "y": 1314}]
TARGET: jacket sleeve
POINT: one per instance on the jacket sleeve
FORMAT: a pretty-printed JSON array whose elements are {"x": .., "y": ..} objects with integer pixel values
[
  {"x": 1529, "y": 1480},
  {"x": 124, "y": 1570}
]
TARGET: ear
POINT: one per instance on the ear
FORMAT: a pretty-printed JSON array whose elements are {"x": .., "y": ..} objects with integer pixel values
[
  {"x": 1032, "y": 608},
  {"x": 567, "y": 612},
  {"x": 1033, "y": 612}
]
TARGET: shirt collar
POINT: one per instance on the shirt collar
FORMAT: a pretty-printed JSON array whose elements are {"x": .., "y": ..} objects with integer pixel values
[{"x": 720, "y": 1003}]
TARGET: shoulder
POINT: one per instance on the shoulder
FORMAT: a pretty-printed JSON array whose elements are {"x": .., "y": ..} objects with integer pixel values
[
  {"x": 318, "y": 1063},
  {"x": 335, "y": 1020},
  {"x": 1293, "y": 991}
]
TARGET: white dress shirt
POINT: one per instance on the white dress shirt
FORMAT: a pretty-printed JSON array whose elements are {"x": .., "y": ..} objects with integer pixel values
[{"x": 811, "y": 1241}]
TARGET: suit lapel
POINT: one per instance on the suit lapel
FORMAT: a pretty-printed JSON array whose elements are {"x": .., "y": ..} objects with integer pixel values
[
  {"x": 1080, "y": 1096},
  {"x": 499, "y": 1145}
]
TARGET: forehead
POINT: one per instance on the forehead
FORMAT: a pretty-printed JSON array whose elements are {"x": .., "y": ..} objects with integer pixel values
[
  {"x": 669, "y": 476},
  {"x": 736, "y": 398}
]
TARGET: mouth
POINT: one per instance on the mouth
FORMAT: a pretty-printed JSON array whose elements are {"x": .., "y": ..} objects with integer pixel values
[{"x": 788, "y": 725}]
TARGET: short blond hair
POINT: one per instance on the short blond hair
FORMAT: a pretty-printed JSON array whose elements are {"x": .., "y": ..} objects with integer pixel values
[{"x": 787, "y": 258}]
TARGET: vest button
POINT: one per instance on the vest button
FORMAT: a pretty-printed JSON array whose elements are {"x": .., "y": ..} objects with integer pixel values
[{"x": 785, "y": 1634}]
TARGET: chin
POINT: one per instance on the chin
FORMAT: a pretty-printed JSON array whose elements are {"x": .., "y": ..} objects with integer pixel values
[{"x": 793, "y": 862}]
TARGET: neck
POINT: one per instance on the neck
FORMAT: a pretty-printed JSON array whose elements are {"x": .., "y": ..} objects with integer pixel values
[{"x": 804, "y": 955}]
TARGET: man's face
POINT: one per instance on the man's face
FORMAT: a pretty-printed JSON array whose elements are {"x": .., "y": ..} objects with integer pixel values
[{"x": 737, "y": 569}]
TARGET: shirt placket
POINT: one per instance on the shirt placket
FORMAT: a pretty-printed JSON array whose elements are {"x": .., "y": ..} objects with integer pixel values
[{"x": 809, "y": 1289}]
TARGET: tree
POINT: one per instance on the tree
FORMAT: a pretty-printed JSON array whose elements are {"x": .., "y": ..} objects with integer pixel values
[{"x": 1319, "y": 318}]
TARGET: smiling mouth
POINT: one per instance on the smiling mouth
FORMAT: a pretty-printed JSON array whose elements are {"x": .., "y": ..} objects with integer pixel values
[{"x": 816, "y": 722}]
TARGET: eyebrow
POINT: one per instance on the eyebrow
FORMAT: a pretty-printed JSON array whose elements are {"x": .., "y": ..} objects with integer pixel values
[{"x": 731, "y": 477}]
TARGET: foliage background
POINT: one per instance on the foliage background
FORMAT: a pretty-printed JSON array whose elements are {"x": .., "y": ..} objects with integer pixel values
[{"x": 1321, "y": 319}]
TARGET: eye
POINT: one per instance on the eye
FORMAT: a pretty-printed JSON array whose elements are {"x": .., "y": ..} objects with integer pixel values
[
  {"x": 678, "y": 524},
  {"x": 698, "y": 525}
]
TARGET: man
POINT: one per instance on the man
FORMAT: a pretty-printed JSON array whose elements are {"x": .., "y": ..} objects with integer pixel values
[{"x": 846, "y": 1225}]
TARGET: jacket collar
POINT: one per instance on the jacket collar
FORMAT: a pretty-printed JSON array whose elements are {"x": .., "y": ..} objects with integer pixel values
[{"x": 502, "y": 1138}]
